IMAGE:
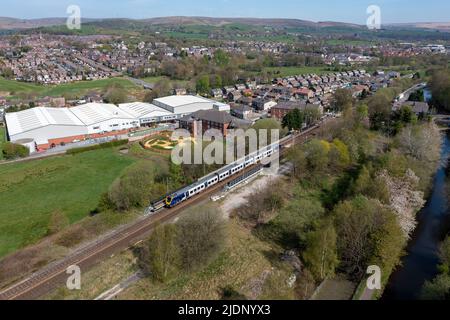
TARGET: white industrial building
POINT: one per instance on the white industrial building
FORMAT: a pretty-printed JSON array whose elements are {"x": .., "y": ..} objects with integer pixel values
[
  {"x": 49, "y": 127},
  {"x": 146, "y": 113},
  {"x": 182, "y": 106},
  {"x": 43, "y": 124},
  {"x": 100, "y": 118}
]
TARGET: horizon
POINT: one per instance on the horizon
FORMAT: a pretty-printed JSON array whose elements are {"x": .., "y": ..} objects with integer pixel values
[
  {"x": 224, "y": 17},
  {"x": 351, "y": 11}
]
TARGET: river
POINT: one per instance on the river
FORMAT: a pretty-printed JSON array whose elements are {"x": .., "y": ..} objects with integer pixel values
[{"x": 421, "y": 262}]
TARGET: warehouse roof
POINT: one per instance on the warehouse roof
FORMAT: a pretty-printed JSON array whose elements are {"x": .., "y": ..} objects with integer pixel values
[
  {"x": 141, "y": 109},
  {"x": 93, "y": 113},
  {"x": 179, "y": 101},
  {"x": 23, "y": 121}
]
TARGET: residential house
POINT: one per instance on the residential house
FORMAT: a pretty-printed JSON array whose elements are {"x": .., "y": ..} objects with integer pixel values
[{"x": 242, "y": 111}]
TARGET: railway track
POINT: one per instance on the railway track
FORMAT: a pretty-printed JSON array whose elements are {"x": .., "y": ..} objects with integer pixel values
[{"x": 54, "y": 275}]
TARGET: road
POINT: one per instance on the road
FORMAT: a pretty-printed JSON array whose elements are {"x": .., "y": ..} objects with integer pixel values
[
  {"x": 404, "y": 96},
  {"x": 54, "y": 275},
  {"x": 140, "y": 82}
]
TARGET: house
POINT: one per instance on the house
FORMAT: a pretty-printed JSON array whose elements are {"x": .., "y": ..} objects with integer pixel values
[
  {"x": 228, "y": 90},
  {"x": 419, "y": 108},
  {"x": 203, "y": 120},
  {"x": 234, "y": 96},
  {"x": 93, "y": 98},
  {"x": 241, "y": 111},
  {"x": 216, "y": 93},
  {"x": 240, "y": 87},
  {"x": 263, "y": 104},
  {"x": 180, "y": 92},
  {"x": 282, "y": 109},
  {"x": 245, "y": 100},
  {"x": 304, "y": 93}
]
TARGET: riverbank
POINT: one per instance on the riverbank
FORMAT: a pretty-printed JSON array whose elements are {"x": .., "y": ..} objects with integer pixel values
[{"x": 420, "y": 264}]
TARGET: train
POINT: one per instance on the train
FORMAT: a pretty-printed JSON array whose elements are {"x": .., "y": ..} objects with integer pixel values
[
  {"x": 173, "y": 199},
  {"x": 184, "y": 194}
]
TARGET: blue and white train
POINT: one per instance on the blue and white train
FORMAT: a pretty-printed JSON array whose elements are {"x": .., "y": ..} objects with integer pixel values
[{"x": 190, "y": 191}]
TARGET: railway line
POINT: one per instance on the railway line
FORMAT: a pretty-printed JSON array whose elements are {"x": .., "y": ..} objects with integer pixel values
[{"x": 54, "y": 275}]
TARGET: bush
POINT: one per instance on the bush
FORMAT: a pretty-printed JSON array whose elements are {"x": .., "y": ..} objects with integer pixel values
[
  {"x": 160, "y": 258},
  {"x": 133, "y": 189},
  {"x": 201, "y": 237},
  {"x": 105, "y": 145},
  {"x": 14, "y": 151}
]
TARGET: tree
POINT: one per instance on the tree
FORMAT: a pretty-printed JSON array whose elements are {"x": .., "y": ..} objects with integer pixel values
[
  {"x": 160, "y": 89},
  {"x": 320, "y": 255},
  {"x": 339, "y": 155},
  {"x": 221, "y": 58},
  {"x": 342, "y": 100},
  {"x": 161, "y": 256},
  {"x": 201, "y": 237},
  {"x": 370, "y": 187},
  {"x": 7, "y": 73},
  {"x": 134, "y": 188},
  {"x": 438, "y": 289},
  {"x": 380, "y": 107},
  {"x": 368, "y": 233},
  {"x": 115, "y": 94},
  {"x": 440, "y": 88},
  {"x": 13, "y": 151},
  {"x": 298, "y": 219},
  {"x": 444, "y": 253},
  {"x": 317, "y": 152},
  {"x": 420, "y": 142},
  {"x": 294, "y": 120},
  {"x": 203, "y": 85},
  {"x": 362, "y": 112}
]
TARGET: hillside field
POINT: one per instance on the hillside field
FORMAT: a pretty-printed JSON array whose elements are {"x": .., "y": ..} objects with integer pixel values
[{"x": 15, "y": 88}]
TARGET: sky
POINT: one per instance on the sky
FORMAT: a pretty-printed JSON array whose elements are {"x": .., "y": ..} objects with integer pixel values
[{"x": 392, "y": 11}]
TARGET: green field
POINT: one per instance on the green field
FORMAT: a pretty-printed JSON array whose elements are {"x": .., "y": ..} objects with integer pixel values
[
  {"x": 182, "y": 83},
  {"x": 76, "y": 88},
  {"x": 30, "y": 192},
  {"x": 294, "y": 71}
]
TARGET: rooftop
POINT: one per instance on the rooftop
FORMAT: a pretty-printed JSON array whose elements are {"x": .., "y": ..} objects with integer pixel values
[
  {"x": 141, "y": 109},
  {"x": 30, "y": 119},
  {"x": 92, "y": 113},
  {"x": 178, "y": 101}
]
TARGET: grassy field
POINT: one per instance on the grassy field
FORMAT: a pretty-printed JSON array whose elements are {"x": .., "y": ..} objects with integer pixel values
[
  {"x": 246, "y": 265},
  {"x": 30, "y": 192},
  {"x": 182, "y": 83},
  {"x": 16, "y": 88},
  {"x": 294, "y": 71}
]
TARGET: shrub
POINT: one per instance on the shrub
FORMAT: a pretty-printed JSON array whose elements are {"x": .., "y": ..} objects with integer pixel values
[
  {"x": 14, "y": 151},
  {"x": 201, "y": 237},
  {"x": 105, "y": 145},
  {"x": 133, "y": 189}
]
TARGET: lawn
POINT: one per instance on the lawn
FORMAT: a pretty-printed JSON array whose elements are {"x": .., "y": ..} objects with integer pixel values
[
  {"x": 182, "y": 83},
  {"x": 76, "y": 88},
  {"x": 295, "y": 71},
  {"x": 30, "y": 192}
]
